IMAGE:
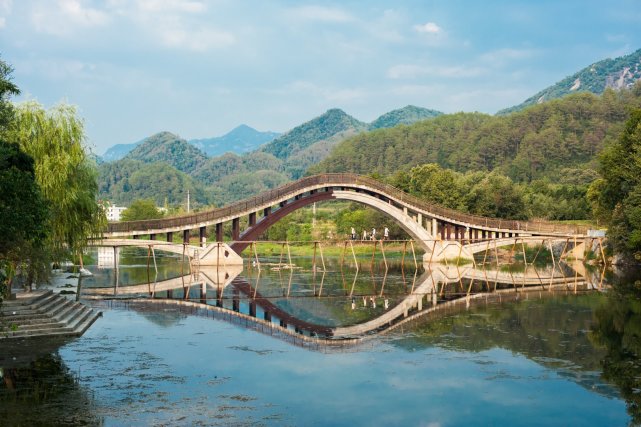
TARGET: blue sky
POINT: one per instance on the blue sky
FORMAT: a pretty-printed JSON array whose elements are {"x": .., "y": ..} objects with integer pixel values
[{"x": 200, "y": 68}]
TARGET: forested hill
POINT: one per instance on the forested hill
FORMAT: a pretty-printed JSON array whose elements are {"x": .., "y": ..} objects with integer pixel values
[
  {"x": 333, "y": 122},
  {"x": 403, "y": 116},
  {"x": 557, "y": 140},
  {"x": 169, "y": 148},
  {"x": 618, "y": 73}
]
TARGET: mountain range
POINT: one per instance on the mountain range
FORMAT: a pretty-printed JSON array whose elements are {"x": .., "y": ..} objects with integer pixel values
[
  {"x": 233, "y": 175},
  {"x": 542, "y": 138}
]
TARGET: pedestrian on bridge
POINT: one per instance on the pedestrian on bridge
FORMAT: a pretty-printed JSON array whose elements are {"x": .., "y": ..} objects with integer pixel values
[
  {"x": 353, "y": 234},
  {"x": 373, "y": 234},
  {"x": 386, "y": 234},
  {"x": 364, "y": 234}
]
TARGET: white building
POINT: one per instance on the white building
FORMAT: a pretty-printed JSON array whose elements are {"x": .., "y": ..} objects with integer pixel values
[{"x": 114, "y": 212}]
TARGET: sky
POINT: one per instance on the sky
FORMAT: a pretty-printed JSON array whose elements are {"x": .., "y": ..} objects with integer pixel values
[{"x": 201, "y": 68}]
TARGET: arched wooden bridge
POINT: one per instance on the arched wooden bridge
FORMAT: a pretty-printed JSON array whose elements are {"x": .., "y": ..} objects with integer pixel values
[{"x": 440, "y": 231}]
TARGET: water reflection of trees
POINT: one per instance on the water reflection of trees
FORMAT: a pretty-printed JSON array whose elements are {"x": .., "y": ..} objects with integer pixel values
[
  {"x": 551, "y": 330},
  {"x": 618, "y": 330},
  {"x": 47, "y": 384}
]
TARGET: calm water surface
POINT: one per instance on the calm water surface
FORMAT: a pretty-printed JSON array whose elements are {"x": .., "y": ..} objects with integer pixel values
[{"x": 554, "y": 355}]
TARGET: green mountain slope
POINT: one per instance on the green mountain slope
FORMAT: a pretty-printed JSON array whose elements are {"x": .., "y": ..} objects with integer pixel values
[
  {"x": 558, "y": 140},
  {"x": 320, "y": 128},
  {"x": 616, "y": 74},
  {"x": 169, "y": 148},
  {"x": 403, "y": 116}
]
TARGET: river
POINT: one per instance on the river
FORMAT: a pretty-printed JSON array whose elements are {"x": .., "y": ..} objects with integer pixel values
[{"x": 387, "y": 343}]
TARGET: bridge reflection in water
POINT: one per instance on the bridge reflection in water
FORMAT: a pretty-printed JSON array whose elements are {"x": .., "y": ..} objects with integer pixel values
[{"x": 333, "y": 304}]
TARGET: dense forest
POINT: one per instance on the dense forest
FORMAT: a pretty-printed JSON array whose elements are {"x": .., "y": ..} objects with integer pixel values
[{"x": 546, "y": 154}]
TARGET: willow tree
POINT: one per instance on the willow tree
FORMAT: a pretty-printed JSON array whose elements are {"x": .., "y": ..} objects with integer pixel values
[{"x": 55, "y": 139}]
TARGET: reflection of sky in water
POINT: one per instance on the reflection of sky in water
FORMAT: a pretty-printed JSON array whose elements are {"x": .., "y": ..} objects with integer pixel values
[{"x": 189, "y": 370}]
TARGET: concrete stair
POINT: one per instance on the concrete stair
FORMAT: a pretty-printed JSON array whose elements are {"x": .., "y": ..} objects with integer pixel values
[{"x": 44, "y": 314}]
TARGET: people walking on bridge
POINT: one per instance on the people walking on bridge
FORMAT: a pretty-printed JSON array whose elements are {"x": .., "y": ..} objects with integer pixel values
[
  {"x": 386, "y": 234},
  {"x": 353, "y": 234},
  {"x": 364, "y": 235},
  {"x": 373, "y": 236}
]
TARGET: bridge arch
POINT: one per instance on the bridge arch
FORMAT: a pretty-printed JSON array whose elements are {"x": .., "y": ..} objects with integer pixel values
[
  {"x": 423, "y": 237},
  {"x": 424, "y": 221}
]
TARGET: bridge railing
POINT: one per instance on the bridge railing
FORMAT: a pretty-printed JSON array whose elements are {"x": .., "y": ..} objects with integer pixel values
[{"x": 346, "y": 180}]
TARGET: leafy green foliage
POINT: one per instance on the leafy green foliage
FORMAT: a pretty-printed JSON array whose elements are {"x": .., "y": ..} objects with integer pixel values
[
  {"x": 617, "y": 196},
  {"x": 7, "y": 89},
  {"x": 141, "y": 209},
  {"x": 23, "y": 215},
  {"x": 493, "y": 194},
  {"x": 610, "y": 73},
  {"x": 23, "y": 211}
]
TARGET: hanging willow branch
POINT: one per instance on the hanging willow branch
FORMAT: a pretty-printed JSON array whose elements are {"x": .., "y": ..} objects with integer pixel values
[{"x": 55, "y": 139}]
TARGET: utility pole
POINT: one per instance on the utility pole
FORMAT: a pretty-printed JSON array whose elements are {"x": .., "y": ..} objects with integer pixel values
[{"x": 187, "y": 201}]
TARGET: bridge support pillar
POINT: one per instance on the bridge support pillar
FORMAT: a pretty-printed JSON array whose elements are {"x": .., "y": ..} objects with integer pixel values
[
  {"x": 235, "y": 229},
  {"x": 252, "y": 309},
  {"x": 186, "y": 236},
  {"x": 170, "y": 236},
  {"x": 448, "y": 231},
  {"x": 404, "y": 210},
  {"x": 267, "y": 211},
  {"x": 219, "y": 232},
  {"x": 419, "y": 219},
  {"x": 202, "y": 236},
  {"x": 267, "y": 315},
  {"x": 252, "y": 219},
  {"x": 483, "y": 234},
  {"x": 434, "y": 227}
]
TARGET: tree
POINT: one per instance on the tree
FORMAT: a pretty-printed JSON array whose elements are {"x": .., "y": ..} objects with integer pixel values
[
  {"x": 64, "y": 173},
  {"x": 7, "y": 89},
  {"x": 141, "y": 209},
  {"x": 23, "y": 213},
  {"x": 617, "y": 196}
]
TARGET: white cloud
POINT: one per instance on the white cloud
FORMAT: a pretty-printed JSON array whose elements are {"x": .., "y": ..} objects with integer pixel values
[
  {"x": 175, "y": 24},
  {"x": 507, "y": 54},
  {"x": 412, "y": 71},
  {"x": 428, "y": 28},
  {"x": 200, "y": 40},
  {"x": 5, "y": 9},
  {"x": 65, "y": 16},
  {"x": 321, "y": 14},
  {"x": 155, "y": 6},
  {"x": 329, "y": 94}
]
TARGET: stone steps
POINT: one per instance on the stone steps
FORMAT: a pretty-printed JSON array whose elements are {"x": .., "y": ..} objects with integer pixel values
[{"x": 44, "y": 314}]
